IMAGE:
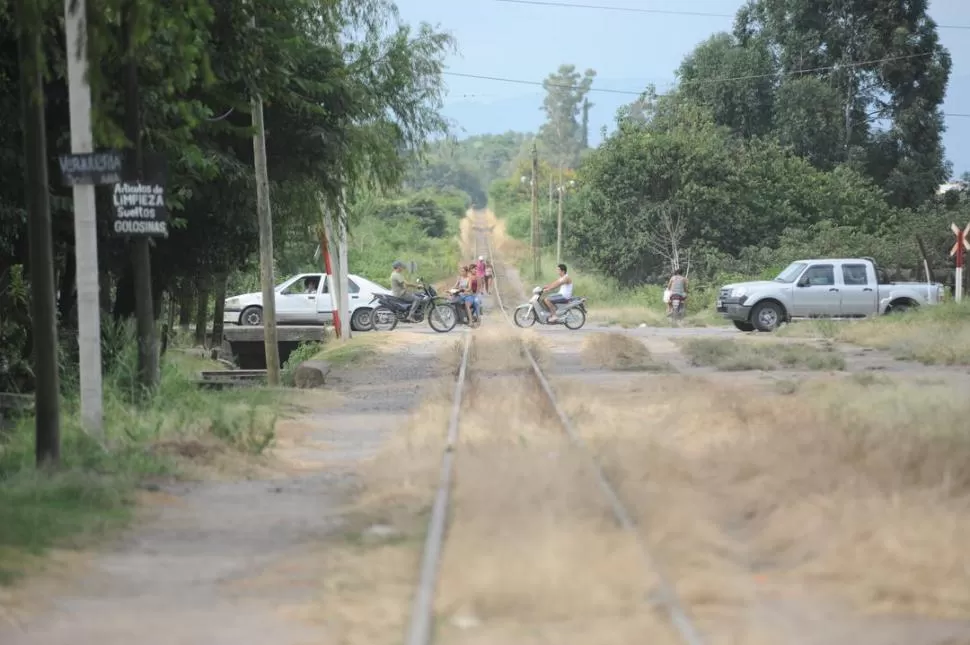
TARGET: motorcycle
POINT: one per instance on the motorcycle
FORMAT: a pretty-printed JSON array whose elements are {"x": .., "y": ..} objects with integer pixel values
[
  {"x": 572, "y": 314},
  {"x": 446, "y": 315},
  {"x": 391, "y": 310},
  {"x": 678, "y": 307}
]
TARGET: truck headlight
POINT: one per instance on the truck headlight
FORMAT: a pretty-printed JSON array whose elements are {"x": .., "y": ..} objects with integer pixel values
[{"x": 738, "y": 292}]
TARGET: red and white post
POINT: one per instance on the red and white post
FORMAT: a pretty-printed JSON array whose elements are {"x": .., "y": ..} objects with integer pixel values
[{"x": 962, "y": 244}]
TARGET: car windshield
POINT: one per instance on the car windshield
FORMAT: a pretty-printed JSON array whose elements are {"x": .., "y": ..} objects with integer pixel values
[{"x": 791, "y": 272}]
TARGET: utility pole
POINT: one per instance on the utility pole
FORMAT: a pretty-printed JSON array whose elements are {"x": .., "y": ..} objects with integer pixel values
[
  {"x": 43, "y": 314},
  {"x": 536, "y": 260},
  {"x": 343, "y": 305},
  {"x": 134, "y": 171},
  {"x": 562, "y": 189},
  {"x": 550, "y": 195},
  {"x": 265, "y": 216},
  {"x": 85, "y": 222}
]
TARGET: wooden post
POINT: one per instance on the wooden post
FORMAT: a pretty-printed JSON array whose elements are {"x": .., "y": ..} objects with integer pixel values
[
  {"x": 264, "y": 214},
  {"x": 536, "y": 259},
  {"x": 140, "y": 253},
  {"x": 42, "y": 307}
]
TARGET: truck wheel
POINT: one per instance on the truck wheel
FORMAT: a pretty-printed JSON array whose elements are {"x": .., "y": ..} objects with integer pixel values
[
  {"x": 900, "y": 307},
  {"x": 767, "y": 316},
  {"x": 743, "y": 326}
]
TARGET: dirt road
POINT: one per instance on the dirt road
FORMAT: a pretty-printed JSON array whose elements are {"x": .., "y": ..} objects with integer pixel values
[{"x": 194, "y": 571}]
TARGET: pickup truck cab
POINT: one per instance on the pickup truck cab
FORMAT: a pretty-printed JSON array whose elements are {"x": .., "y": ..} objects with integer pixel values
[
  {"x": 306, "y": 299},
  {"x": 826, "y": 288}
]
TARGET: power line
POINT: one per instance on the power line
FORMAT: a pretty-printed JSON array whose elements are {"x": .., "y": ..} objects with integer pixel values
[
  {"x": 725, "y": 79},
  {"x": 604, "y": 90},
  {"x": 669, "y": 12}
]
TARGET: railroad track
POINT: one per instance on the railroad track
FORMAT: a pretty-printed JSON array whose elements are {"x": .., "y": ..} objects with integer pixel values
[{"x": 420, "y": 631}]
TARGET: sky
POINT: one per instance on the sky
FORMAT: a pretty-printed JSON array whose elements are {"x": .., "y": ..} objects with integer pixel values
[{"x": 628, "y": 51}]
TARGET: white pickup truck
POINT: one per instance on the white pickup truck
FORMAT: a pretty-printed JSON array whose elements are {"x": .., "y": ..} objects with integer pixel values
[{"x": 827, "y": 288}]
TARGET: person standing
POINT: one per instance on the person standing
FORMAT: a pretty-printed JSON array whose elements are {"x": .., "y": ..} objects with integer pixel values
[{"x": 489, "y": 276}]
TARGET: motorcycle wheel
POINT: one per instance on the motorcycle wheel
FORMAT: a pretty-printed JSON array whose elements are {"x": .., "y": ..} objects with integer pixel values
[
  {"x": 442, "y": 318},
  {"x": 383, "y": 319},
  {"x": 575, "y": 319},
  {"x": 524, "y": 317}
]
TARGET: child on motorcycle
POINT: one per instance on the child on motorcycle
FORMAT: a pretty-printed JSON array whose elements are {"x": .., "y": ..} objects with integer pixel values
[{"x": 463, "y": 285}]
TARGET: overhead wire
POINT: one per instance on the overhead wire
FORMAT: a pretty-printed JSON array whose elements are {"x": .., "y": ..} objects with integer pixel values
[
  {"x": 726, "y": 79},
  {"x": 644, "y": 10}
]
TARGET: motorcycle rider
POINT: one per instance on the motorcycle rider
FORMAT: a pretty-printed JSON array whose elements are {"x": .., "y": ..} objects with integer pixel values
[
  {"x": 399, "y": 288},
  {"x": 565, "y": 284},
  {"x": 677, "y": 285}
]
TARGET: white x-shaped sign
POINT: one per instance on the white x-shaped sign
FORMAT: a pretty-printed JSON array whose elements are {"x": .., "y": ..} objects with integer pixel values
[{"x": 966, "y": 235}]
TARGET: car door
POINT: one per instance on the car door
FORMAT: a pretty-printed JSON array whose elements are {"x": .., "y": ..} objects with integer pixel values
[
  {"x": 353, "y": 290},
  {"x": 297, "y": 302},
  {"x": 815, "y": 293},
  {"x": 323, "y": 312},
  {"x": 857, "y": 291}
]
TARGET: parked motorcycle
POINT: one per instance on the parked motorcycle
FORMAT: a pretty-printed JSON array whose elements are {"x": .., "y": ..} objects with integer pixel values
[
  {"x": 446, "y": 315},
  {"x": 572, "y": 314},
  {"x": 392, "y": 310}
]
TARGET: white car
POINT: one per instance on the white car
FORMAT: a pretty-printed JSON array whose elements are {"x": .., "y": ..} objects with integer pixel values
[{"x": 306, "y": 299}]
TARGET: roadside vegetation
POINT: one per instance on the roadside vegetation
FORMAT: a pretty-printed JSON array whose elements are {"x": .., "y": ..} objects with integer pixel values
[
  {"x": 181, "y": 431},
  {"x": 938, "y": 335},
  {"x": 730, "y": 355}
]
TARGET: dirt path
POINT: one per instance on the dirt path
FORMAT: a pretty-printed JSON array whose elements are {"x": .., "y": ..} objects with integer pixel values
[{"x": 183, "y": 575}]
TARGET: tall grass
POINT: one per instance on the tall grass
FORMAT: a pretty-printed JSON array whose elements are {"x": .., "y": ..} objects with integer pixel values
[
  {"x": 934, "y": 335},
  {"x": 145, "y": 436}
]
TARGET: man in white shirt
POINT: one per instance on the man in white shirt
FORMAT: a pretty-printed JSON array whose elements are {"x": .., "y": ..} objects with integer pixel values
[{"x": 565, "y": 284}]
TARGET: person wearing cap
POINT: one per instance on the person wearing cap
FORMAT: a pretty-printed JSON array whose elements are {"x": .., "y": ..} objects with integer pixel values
[{"x": 399, "y": 288}]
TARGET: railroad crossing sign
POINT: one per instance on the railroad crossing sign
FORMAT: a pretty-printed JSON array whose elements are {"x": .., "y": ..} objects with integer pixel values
[{"x": 962, "y": 243}]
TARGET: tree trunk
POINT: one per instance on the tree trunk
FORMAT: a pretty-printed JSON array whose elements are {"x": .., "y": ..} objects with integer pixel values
[
  {"x": 185, "y": 305},
  {"x": 67, "y": 297},
  {"x": 201, "y": 313},
  {"x": 219, "y": 305},
  {"x": 104, "y": 291},
  {"x": 125, "y": 295}
]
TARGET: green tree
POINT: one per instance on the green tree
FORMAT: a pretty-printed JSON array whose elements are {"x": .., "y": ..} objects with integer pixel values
[
  {"x": 887, "y": 66},
  {"x": 561, "y": 135}
]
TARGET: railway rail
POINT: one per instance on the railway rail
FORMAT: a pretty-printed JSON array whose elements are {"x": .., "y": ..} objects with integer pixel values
[{"x": 420, "y": 630}]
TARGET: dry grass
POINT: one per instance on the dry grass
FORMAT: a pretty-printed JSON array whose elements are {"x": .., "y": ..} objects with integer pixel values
[
  {"x": 618, "y": 352},
  {"x": 938, "y": 335},
  {"x": 736, "y": 356},
  {"x": 849, "y": 488},
  {"x": 857, "y": 489}
]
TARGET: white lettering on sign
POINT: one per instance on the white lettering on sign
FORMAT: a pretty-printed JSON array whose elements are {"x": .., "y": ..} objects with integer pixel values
[
  {"x": 91, "y": 163},
  {"x": 140, "y": 227},
  {"x": 140, "y": 209}
]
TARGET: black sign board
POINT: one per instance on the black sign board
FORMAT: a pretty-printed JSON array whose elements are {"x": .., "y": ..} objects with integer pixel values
[
  {"x": 92, "y": 168},
  {"x": 140, "y": 209}
]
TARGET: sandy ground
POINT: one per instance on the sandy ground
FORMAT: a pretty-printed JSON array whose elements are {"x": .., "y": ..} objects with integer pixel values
[{"x": 193, "y": 571}]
